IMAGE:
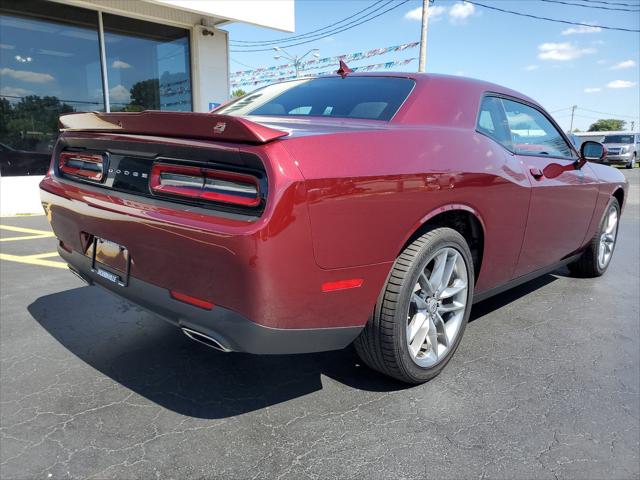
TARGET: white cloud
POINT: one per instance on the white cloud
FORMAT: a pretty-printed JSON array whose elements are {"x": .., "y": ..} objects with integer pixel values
[
  {"x": 531, "y": 68},
  {"x": 461, "y": 11},
  {"x": 120, "y": 64},
  {"x": 625, "y": 64},
  {"x": 119, "y": 94},
  {"x": 582, "y": 29},
  {"x": 562, "y": 51},
  {"x": 592, "y": 89},
  {"x": 601, "y": 62},
  {"x": 458, "y": 12},
  {"x": 15, "y": 91},
  {"x": 435, "y": 12},
  {"x": 415, "y": 14},
  {"x": 621, "y": 84},
  {"x": 27, "y": 76}
]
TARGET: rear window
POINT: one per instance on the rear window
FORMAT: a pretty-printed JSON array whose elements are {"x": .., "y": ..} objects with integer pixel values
[
  {"x": 618, "y": 139},
  {"x": 374, "y": 98}
]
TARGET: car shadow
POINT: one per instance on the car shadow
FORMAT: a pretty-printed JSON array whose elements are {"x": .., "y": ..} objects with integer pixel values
[
  {"x": 491, "y": 304},
  {"x": 152, "y": 358}
]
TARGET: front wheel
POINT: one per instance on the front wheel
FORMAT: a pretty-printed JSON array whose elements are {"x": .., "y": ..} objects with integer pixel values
[
  {"x": 632, "y": 162},
  {"x": 423, "y": 309},
  {"x": 595, "y": 260}
]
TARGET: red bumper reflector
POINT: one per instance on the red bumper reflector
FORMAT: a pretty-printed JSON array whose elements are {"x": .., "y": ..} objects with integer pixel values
[
  {"x": 341, "y": 284},
  {"x": 197, "y": 302}
]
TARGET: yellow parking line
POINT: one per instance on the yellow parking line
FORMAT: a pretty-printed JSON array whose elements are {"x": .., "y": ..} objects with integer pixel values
[
  {"x": 32, "y": 231},
  {"x": 29, "y": 259},
  {"x": 19, "y": 215},
  {"x": 43, "y": 255},
  {"x": 26, "y": 237}
]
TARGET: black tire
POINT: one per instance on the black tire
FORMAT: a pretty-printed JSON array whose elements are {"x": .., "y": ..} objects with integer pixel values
[
  {"x": 587, "y": 266},
  {"x": 382, "y": 344},
  {"x": 632, "y": 163}
]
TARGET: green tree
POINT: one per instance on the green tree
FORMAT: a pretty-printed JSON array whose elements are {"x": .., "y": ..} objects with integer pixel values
[
  {"x": 31, "y": 123},
  {"x": 145, "y": 95},
  {"x": 607, "y": 125},
  {"x": 238, "y": 93}
]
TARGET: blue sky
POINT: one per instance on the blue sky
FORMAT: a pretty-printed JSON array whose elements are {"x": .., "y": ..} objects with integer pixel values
[{"x": 558, "y": 65}]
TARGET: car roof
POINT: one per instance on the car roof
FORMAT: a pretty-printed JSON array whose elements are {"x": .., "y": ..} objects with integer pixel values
[{"x": 457, "y": 80}]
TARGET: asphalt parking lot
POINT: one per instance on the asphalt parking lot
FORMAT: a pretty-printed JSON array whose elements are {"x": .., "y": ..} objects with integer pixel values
[{"x": 545, "y": 385}]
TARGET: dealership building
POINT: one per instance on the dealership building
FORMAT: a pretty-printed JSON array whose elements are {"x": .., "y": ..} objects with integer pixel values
[{"x": 112, "y": 56}]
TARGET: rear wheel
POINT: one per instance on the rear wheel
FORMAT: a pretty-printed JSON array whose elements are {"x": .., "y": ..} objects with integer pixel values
[
  {"x": 596, "y": 258},
  {"x": 423, "y": 310}
]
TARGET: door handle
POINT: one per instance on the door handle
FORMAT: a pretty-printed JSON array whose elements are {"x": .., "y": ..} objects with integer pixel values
[{"x": 536, "y": 173}]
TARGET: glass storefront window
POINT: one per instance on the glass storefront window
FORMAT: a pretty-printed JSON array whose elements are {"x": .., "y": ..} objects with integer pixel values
[
  {"x": 147, "y": 65},
  {"x": 47, "y": 67},
  {"x": 50, "y": 64}
]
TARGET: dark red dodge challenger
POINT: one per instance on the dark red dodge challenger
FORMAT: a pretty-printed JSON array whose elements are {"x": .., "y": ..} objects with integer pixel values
[{"x": 365, "y": 208}]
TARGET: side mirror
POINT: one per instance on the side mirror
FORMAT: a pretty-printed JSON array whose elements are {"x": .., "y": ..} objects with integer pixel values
[{"x": 592, "y": 151}]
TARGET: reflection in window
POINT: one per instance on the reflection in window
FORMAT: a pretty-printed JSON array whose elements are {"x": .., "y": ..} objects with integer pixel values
[
  {"x": 533, "y": 133},
  {"x": 372, "y": 98},
  {"x": 36, "y": 83},
  {"x": 147, "y": 65}
]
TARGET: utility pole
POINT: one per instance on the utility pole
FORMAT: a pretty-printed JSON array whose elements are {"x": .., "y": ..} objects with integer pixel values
[
  {"x": 573, "y": 110},
  {"x": 633, "y": 126},
  {"x": 423, "y": 36}
]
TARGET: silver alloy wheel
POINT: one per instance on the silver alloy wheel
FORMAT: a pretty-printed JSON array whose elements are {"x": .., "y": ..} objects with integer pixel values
[
  {"x": 608, "y": 237},
  {"x": 437, "y": 307}
]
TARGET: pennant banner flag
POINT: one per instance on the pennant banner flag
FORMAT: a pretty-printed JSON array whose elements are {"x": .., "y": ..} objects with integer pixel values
[
  {"x": 291, "y": 74},
  {"x": 321, "y": 62}
]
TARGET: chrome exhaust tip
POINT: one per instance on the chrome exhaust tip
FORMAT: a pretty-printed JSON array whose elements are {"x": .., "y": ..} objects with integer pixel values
[{"x": 205, "y": 340}]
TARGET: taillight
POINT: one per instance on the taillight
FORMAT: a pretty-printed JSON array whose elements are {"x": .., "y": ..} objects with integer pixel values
[
  {"x": 90, "y": 167},
  {"x": 205, "y": 184}
]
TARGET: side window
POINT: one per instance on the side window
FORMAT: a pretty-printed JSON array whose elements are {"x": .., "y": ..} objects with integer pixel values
[
  {"x": 492, "y": 121},
  {"x": 532, "y": 133}
]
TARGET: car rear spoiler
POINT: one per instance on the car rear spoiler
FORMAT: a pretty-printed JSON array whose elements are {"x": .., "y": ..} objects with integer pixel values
[{"x": 208, "y": 126}]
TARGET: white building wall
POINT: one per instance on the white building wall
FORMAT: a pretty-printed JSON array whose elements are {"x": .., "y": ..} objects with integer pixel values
[
  {"x": 20, "y": 195},
  {"x": 209, "y": 67},
  {"x": 278, "y": 14}
]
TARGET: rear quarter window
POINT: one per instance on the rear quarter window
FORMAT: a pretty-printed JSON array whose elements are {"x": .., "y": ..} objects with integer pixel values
[{"x": 373, "y": 98}]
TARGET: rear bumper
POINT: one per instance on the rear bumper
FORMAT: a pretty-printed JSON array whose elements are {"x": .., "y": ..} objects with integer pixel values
[{"x": 232, "y": 330}]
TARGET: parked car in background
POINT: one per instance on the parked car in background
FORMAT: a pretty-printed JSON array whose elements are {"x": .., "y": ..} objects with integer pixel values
[
  {"x": 309, "y": 214},
  {"x": 622, "y": 149},
  {"x": 20, "y": 162}
]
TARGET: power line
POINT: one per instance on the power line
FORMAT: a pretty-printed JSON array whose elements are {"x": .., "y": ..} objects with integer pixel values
[
  {"x": 240, "y": 63},
  {"x": 590, "y": 6},
  {"x": 612, "y": 115},
  {"x": 253, "y": 43},
  {"x": 327, "y": 34},
  {"x": 605, "y": 113},
  {"x": 609, "y": 3},
  {"x": 567, "y": 22}
]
